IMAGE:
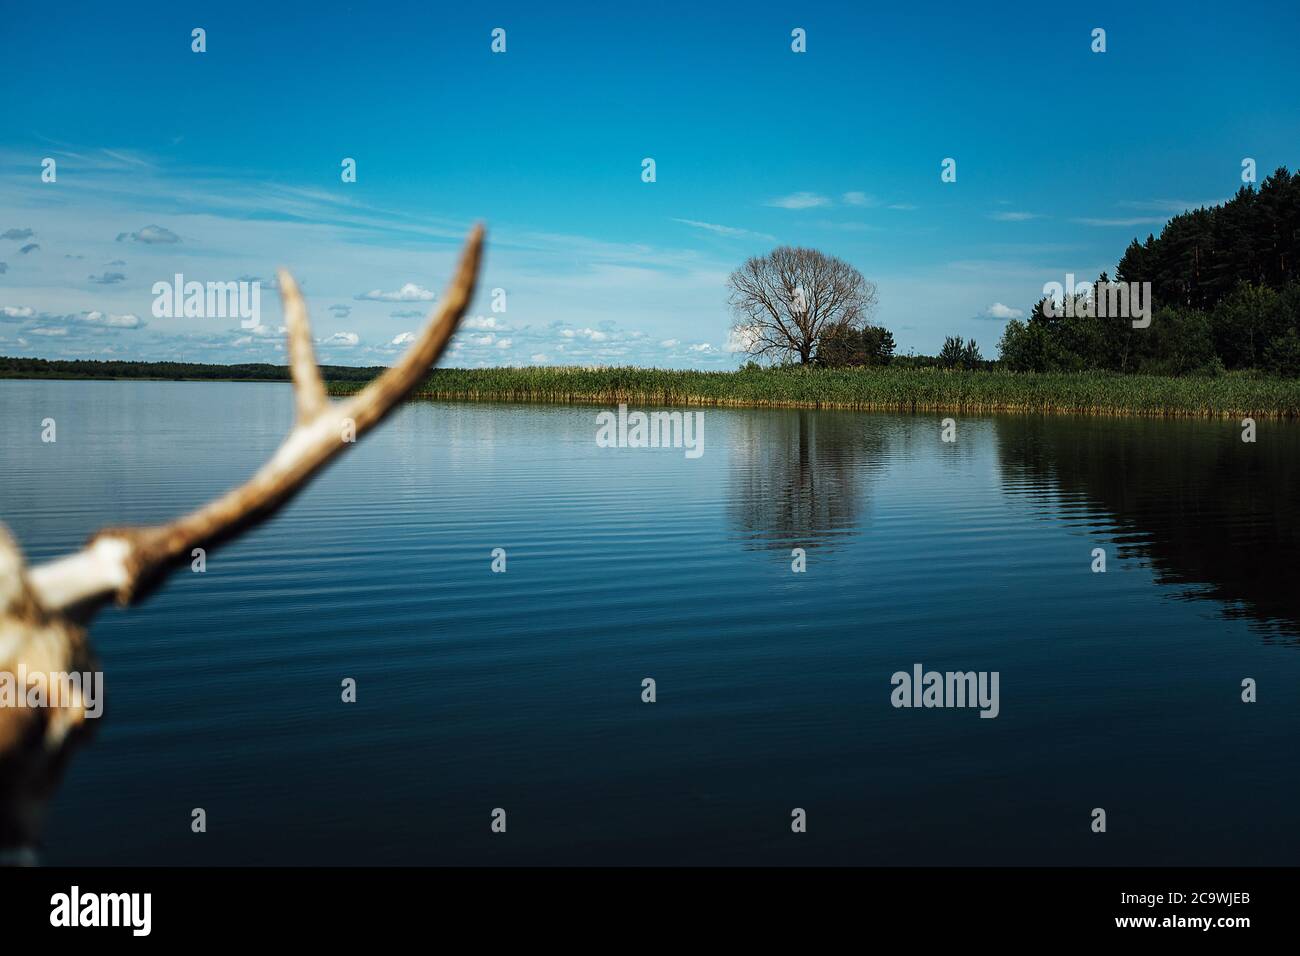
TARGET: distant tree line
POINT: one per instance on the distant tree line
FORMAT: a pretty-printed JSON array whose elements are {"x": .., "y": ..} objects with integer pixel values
[
  {"x": 82, "y": 368},
  {"x": 846, "y": 345},
  {"x": 1225, "y": 295}
]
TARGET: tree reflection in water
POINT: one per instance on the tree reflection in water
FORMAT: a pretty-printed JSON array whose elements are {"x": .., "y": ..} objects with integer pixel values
[{"x": 1211, "y": 514}]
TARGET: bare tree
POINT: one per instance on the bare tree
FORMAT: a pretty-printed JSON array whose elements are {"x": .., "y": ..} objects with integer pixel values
[
  {"x": 44, "y": 610},
  {"x": 785, "y": 300}
]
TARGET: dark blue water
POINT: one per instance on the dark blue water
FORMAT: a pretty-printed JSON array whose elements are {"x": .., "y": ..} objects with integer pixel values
[{"x": 523, "y": 690}]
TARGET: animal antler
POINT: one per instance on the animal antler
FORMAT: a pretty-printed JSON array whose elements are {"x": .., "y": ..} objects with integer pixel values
[
  {"x": 43, "y": 610},
  {"x": 125, "y": 562}
]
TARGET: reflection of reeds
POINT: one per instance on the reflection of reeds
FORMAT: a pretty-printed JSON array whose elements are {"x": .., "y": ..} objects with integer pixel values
[{"x": 925, "y": 389}]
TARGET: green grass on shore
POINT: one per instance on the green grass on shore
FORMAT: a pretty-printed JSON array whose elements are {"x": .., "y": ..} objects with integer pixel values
[{"x": 903, "y": 389}]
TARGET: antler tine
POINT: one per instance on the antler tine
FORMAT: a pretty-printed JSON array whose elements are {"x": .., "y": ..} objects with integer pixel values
[
  {"x": 126, "y": 562},
  {"x": 381, "y": 396},
  {"x": 308, "y": 389}
]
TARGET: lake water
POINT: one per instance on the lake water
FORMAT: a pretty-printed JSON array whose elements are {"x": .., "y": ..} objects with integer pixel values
[{"x": 523, "y": 690}]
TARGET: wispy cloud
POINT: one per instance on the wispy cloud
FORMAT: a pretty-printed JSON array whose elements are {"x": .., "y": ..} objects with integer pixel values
[
  {"x": 848, "y": 226},
  {"x": 30, "y": 247},
  {"x": 1170, "y": 207},
  {"x": 1014, "y": 216},
  {"x": 800, "y": 200},
  {"x": 108, "y": 278},
  {"x": 100, "y": 160},
  {"x": 855, "y": 199},
  {"x": 346, "y": 340},
  {"x": 731, "y": 232},
  {"x": 859, "y": 199},
  {"x": 17, "y": 234}
]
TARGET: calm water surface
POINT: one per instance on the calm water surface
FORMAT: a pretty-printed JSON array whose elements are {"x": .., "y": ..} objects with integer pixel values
[{"x": 522, "y": 690}]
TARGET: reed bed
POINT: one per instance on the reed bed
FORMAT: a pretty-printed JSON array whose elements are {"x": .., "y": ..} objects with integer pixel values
[{"x": 896, "y": 389}]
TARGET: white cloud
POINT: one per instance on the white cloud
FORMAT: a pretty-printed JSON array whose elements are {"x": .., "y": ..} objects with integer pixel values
[
  {"x": 504, "y": 343},
  {"x": 999, "y": 311},
  {"x": 858, "y": 199},
  {"x": 405, "y": 338},
  {"x": 800, "y": 200},
  {"x": 410, "y": 292},
  {"x": 481, "y": 323},
  {"x": 43, "y": 330},
  {"x": 1013, "y": 216},
  {"x": 105, "y": 319},
  {"x": 127, "y": 321},
  {"x": 345, "y": 340},
  {"x": 591, "y": 335},
  {"x": 671, "y": 343},
  {"x": 540, "y": 357},
  {"x": 151, "y": 235},
  {"x": 741, "y": 339}
]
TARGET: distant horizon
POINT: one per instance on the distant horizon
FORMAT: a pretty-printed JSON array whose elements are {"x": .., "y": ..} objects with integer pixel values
[{"x": 222, "y": 165}]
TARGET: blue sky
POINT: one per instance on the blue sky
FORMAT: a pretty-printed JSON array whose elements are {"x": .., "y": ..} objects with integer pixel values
[{"x": 1062, "y": 155}]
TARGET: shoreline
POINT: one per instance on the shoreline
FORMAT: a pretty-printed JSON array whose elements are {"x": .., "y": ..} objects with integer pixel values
[
  {"x": 886, "y": 390},
  {"x": 891, "y": 389},
  {"x": 646, "y": 401}
]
